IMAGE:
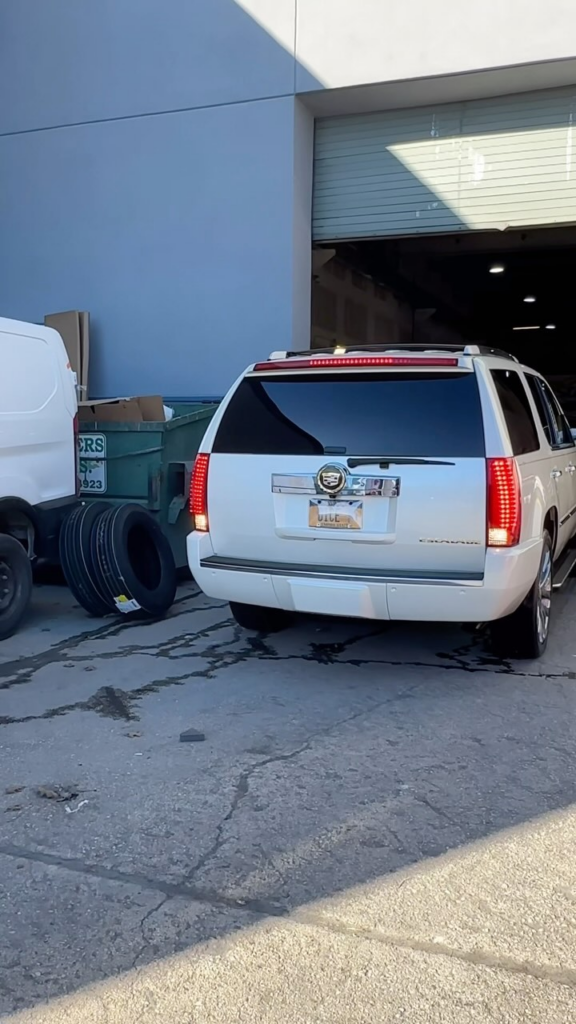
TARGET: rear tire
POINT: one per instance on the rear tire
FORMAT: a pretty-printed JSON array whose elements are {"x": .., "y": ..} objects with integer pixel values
[
  {"x": 524, "y": 634},
  {"x": 15, "y": 585},
  {"x": 261, "y": 620},
  {"x": 133, "y": 561}
]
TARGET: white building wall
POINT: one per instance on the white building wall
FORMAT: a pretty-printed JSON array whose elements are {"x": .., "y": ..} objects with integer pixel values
[{"x": 340, "y": 44}]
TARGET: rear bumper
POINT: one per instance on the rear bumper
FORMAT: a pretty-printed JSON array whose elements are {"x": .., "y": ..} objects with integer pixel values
[{"x": 507, "y": 578}]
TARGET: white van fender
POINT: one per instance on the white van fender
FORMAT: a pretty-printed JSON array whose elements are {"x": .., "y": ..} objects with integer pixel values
[{"x": 19, "y": 489}]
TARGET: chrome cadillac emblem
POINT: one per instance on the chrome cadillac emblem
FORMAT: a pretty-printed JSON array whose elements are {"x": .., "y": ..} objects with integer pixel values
[{"x": 331, "y": 479}]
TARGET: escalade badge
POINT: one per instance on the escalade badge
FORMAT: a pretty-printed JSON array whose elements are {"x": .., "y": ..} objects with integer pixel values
[{"x": 331, "y": 479}]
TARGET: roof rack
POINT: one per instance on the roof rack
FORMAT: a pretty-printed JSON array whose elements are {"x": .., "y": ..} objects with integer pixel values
[
  {"x": 340, "y": 350},
  {"x": 488, "y": 350}
]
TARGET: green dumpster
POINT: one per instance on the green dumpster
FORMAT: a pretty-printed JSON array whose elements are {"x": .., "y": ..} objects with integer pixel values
[{"x": 149, "y": 463}]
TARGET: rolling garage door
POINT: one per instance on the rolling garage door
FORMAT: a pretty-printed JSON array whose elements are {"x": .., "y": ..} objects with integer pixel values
[{"x": 485, "y": 165}]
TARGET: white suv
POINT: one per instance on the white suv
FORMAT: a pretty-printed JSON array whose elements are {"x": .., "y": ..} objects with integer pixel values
[{"x": 392, "y": 483}]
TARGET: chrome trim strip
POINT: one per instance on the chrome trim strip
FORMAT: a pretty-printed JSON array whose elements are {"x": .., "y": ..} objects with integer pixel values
[
  {"x": 568, "y": 516},
  {"x": 356, "y": 486},
  {"x": 340, "y": 572},
  {"x": 563, "y": 569}
]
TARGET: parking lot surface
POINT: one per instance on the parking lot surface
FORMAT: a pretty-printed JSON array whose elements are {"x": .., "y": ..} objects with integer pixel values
[{"x": 378, "y": 826}]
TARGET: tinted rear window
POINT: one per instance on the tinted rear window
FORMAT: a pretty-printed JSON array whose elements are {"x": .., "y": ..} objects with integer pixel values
[
  {"x": 517, "y": 411},
  {"x": 410, "y": 415}
]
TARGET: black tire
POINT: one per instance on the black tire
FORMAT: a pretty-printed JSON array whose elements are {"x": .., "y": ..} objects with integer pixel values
[
  {"x": 261, "y": 620},
  {"x": 134, "y": 562},
  {"x": 77, "y": 561},
  {"x": 524, "y": 634},
  {"x": 15, "y": 584}
]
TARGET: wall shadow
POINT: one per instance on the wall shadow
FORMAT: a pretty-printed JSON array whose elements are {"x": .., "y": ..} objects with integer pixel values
[{"x": 147, "y": 174}]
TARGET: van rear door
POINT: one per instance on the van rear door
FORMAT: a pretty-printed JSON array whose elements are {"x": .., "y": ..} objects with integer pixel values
[
  {"x": 37, "y": 410},
  {"x": 381, "y": 469}
]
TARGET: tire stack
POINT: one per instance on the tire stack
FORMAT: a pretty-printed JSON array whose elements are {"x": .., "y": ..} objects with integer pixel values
[{"x": 116, "y": 559}]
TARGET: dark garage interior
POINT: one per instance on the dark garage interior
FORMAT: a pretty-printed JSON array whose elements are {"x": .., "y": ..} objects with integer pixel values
[{"x": 510, "y": 289}]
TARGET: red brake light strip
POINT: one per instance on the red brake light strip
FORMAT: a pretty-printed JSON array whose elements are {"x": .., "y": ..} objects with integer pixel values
[
  {"x": 341, "y": 362},
  {"x": 504, "y": 503},
  {"x": 199, "y": 492}
]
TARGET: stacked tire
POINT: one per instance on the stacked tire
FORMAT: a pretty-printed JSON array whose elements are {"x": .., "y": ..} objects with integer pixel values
[{"x": 116, "y": 559}]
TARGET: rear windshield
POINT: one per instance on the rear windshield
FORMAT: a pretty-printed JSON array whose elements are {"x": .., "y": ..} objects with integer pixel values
[{"x": 411, "y": 415}]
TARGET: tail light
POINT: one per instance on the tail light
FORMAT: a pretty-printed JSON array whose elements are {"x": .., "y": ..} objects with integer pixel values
[
  {"x": 504, "y": 503},
  {"x": 77, "y": 455},
  {"x": 199, "y": 493}
]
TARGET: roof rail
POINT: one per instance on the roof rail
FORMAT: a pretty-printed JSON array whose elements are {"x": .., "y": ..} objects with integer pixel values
[
  {"x": 487, "y": 350},
  {"x": 404, "y": 346},
  {"x": 344, "y": 348}
]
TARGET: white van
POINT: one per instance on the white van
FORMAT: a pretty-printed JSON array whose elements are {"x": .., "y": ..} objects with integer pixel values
[
  {"x": 38, "y": 457},
  {"x": 397, "y": 483}
]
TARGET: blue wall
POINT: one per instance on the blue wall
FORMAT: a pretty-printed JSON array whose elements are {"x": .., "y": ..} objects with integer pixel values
[
  {"x": 69, "y": 61},
  {"x": 185, "y": 232}
]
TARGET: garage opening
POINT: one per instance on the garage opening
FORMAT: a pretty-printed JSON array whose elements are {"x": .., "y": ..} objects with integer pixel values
[
  {"x": 451, "y": 224},
  {"x": 513, "y": 290}
]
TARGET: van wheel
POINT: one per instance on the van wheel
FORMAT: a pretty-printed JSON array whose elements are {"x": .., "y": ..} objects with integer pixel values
[
  {"x": 15, "y": 584},
  {"x": 524, "y": 634},
  {"x": 261, "y": 620}
]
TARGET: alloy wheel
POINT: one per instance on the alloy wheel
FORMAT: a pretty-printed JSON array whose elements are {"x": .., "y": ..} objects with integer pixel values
[{"x": 544, "y": 597}]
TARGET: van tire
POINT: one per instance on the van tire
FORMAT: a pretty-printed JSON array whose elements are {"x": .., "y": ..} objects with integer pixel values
[
  {"x": 134, "y": 563},
  {"x": 260, "y": 620},
  {"x": 76, "y": 558},
  {"x": 15, "y": 584},
  {"x": 524, "y": 634}
]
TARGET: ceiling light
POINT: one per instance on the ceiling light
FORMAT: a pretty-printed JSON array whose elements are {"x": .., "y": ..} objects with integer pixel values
[
  {"x": 497, "y": 268},
  {"x": 550, "y": 327},
  {"x": 536, "y": 327},
  {"x": 530, "y": 298}
]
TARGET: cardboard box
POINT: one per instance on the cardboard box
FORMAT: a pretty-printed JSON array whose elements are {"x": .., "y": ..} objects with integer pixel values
[
  {"x": 68, "y": 327},
  {"x": 74, "y": 329},
  {"x": 152, "y": 408},
  {"x": 84, "y": 318},
  {"x": 143, "y": 409}
]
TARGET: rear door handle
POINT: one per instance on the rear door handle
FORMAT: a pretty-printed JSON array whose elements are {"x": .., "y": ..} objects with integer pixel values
[
  {"x": 571, "y": 468},
  {"x": 556, "y": 474}
]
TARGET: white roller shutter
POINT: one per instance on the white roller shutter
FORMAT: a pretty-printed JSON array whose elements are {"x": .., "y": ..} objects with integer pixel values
[{"x": 481, "y": 165}]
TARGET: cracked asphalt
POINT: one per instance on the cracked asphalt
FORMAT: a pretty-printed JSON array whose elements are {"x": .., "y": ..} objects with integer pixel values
[{"x": 378, "y": 827}]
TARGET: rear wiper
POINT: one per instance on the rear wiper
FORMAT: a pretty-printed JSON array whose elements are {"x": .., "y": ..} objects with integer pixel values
[{"x": 383, "y": 461}]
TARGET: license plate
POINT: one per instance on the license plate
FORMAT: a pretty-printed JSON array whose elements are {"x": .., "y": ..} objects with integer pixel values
[{"x": 325, "y": 514}]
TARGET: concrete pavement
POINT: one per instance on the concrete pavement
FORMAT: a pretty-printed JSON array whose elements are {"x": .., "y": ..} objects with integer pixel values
[{"x": 379, "y": 826}]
